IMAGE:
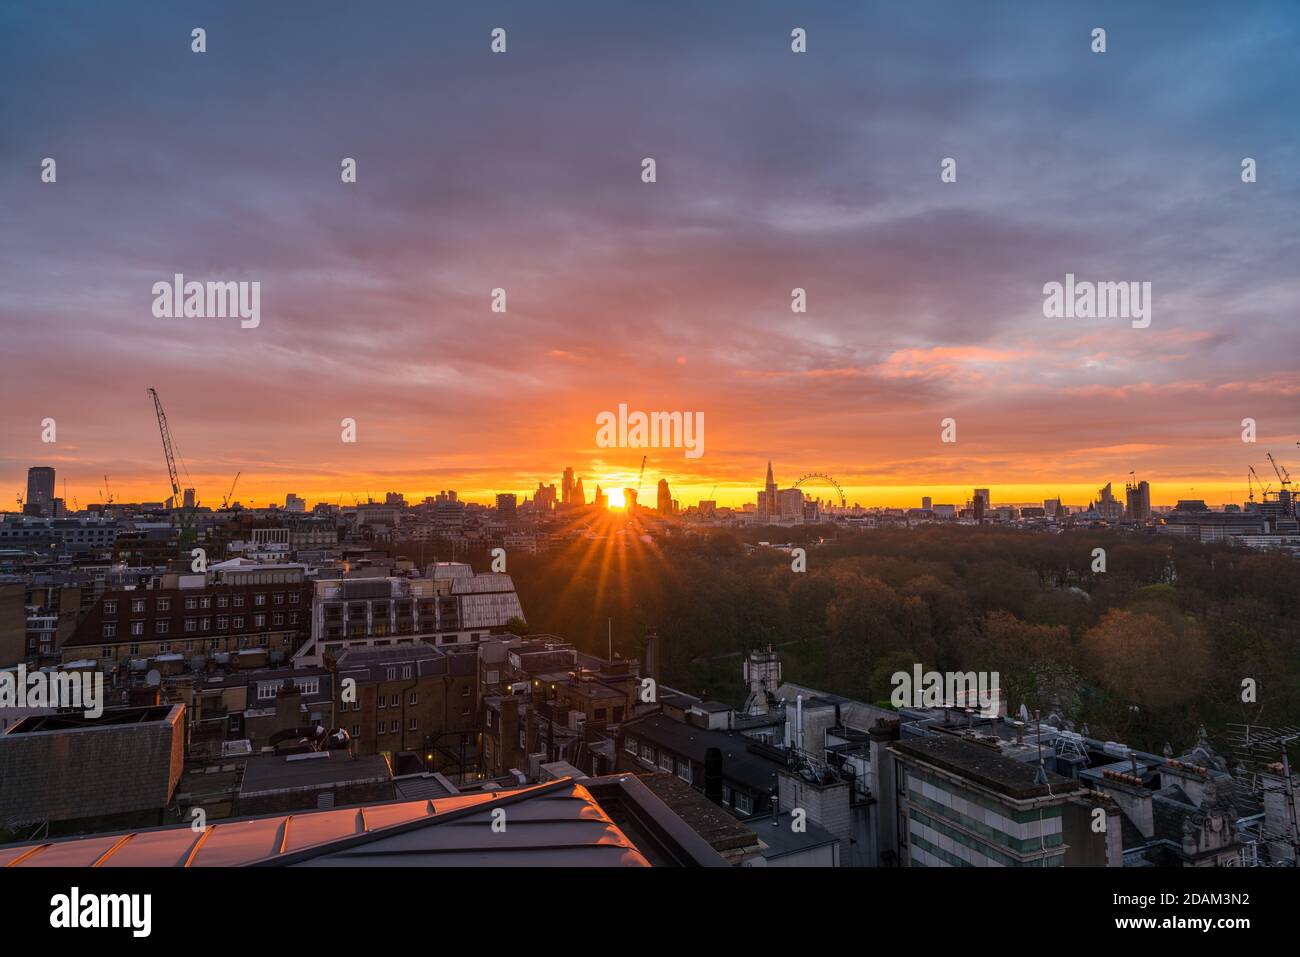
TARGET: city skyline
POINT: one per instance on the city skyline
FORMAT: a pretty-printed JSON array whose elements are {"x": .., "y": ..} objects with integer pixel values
[{"x": 924, "y": 298}]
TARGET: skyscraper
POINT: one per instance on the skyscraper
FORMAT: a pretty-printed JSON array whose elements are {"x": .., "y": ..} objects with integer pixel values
[
  {"x": 1107, "y": 505},
  {"x": 601, "y": 500},
  {"x": 544, "y": 498},
  {"x": 767, "y": 502},
  {"x": 579, "y": 496},
  {"x": 507, "y": 506},
  {"x": 665, "y": 498},
  {"x": 981, "y": 504},
  {"x": 566, "y": 487},
  {"x": 1138, "y": 501},
  {"x": 40, "y": 490}
]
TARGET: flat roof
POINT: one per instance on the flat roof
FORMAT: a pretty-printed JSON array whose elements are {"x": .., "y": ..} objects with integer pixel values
[
  {"x": 279, "y": 773},
  {"x": 986, "y": 766}
]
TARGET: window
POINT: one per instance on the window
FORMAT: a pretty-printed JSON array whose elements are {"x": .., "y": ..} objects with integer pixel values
[
  {"x": 134, "y": 649},
  {"x": 356, "y": 731},
  {"x": 629, "y": 744},
  {"x": 222, "y": 601},
  {"x": 523, "y": 741},
  {"x": 406, "y": 671},
  {"x": 237, "y": 601},
  {"x": 137, "y": 628},
  {"x": 684, "y": 770},
  {"x": 293, "y": 618},
  {"x": 744, "y": 803},
  {"x": 277, "y": 620},
  {"x": 493, "y": 677},
  {"x": 293, "y": 598},
  {"x": 382, "y": 701},
  {"x": 110, "y": 630},
  {"x": 191, "y": 624},
  {"x": 413, "y": 726},
  {"x": 259, "y": 599},
  {"x": 137, "y": 606},
  {"x": 205, "y": 624},
  {"x": 110, "y": 608},
  {"x": 392, "y": 674},
  {"x": 259, "y": 621},
  {"x": 222, "y": 623},
  {"x": 647, "y": 752},
  {"x": 412, "y": 699},
  {"x": 666, "y": 761},
  {"x": 380, "y": 728},
  {"x": 162, "y": 626},
  {"x": 164, "y": 604},
  {"x": 164, "y": 647},
  {"x": 238, "y": 621},
  {"x": 464, "y": 691},
  {"x": 191, "y": 604},
  {"x": 106, "y": 651},
  {"x": 393, "y": 726},
  {"x": 278, "y": 598}
]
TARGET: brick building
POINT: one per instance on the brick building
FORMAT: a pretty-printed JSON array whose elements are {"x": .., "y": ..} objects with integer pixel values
[
  {"x": 197, "y": 615},
  {"x": 415, "y": 698}
]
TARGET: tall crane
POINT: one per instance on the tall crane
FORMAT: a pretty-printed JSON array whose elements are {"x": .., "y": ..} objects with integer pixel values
[
  {"x": 226, "y": 501},
  {"x": 1263, "y": 489},
  {"x": 1283, "y": 475},
  {"x": 640, "y": 477},
  {"x": 187, "y": 517},
  {"x": 167, "y": 446},
  {"x": 108, "y": 493}
]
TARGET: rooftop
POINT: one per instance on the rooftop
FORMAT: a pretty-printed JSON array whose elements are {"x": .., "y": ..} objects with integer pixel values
[
  {"x": 985, "y": 766},
  {"x": 561, "y": 823}
]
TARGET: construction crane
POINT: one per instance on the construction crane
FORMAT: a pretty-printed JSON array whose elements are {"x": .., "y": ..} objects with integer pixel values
[
  {"x": 108, "y": 493},
  {"x": 1283, "y": 475},
  {"x": 640, "y": 477},
  {"x": 187, "y": 517},
  {"x": 1263, "y": 489},
  {"x": 226, "y": 501}
]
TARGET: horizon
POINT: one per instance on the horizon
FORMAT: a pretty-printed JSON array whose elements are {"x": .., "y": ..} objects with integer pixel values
[{"x": 924, "y": 299}]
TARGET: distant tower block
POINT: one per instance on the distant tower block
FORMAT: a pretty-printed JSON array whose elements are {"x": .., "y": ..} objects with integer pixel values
[{"x": 763, "y": 675}]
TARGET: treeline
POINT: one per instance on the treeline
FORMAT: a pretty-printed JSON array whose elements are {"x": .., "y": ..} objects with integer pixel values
[{"x": 1143, "y": 652}]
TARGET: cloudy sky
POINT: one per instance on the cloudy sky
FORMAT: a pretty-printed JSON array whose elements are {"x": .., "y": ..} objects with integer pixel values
[{"x": 775, "y": 170}]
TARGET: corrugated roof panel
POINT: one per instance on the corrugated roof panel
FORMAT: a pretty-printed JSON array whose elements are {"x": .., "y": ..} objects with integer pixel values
[
  {"x": 553, "y": 825},
  {"x": 167, "y": 848},
  {"x": 594, "y": 856},
  {"x": 236, "y": 842},
  {"x": 80, "y": 853}
]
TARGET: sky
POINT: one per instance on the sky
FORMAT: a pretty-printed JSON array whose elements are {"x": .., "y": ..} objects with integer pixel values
[{"x": 774, "y": 170}]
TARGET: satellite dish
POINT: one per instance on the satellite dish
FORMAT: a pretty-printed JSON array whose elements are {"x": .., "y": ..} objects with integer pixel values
[{"x": 153, "y": 678}]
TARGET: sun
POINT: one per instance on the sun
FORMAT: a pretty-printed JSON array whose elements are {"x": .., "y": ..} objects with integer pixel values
[{"x": 615, "y": 496}]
